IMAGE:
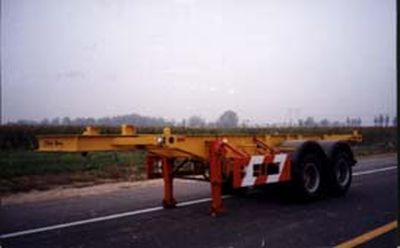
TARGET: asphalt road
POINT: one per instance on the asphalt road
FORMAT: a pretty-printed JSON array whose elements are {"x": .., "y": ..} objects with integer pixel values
[{"x": 261, "y": 218}]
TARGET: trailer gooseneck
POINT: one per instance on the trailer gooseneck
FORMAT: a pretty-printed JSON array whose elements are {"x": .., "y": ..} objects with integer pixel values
[{"x": 312, "y": 164}]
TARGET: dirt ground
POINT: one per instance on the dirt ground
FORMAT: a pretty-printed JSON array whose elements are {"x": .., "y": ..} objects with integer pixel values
[
  {"x": 77, "y": 179},
  {"x": 73, "y": 191}
]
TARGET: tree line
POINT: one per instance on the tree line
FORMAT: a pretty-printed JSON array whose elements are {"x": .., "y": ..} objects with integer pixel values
[
  {"x": 385, "y": 121},
  {"x": 311, "y": 122},
  {"x": 228, "y": 119},
  {"x": 379, "y": 121}
]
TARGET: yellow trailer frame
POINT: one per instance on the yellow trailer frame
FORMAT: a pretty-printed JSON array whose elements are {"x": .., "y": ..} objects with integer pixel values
[{"x": 242, "y": 160}]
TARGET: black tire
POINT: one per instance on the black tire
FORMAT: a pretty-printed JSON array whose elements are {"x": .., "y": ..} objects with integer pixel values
[
  {"x": 339, "y": 174},
  {"x": 307, "y": 177}
]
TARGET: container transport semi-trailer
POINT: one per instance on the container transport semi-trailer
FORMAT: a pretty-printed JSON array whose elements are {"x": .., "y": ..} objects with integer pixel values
[{"x": 313, "y": 165}]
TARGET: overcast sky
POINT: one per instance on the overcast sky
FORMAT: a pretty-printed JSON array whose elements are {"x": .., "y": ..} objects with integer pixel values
[{"x": 267, "y": 60}]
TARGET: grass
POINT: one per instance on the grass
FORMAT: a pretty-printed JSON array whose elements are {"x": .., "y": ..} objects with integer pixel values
[
  {"x": 28, "y": 170},
  {"x": 22, "y": 163}
]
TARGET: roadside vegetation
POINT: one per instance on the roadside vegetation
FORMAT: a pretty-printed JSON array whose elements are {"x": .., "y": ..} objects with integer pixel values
[{"x": 24, "y": 169}]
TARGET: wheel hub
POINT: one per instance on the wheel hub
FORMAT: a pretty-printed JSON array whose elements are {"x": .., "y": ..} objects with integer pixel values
[
  {"x": 342, "y": 172},
  {"x": 311, "y": 177}
]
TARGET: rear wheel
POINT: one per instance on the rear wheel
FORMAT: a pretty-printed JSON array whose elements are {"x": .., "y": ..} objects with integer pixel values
[
  {"x": 307, "y": 177},
  {"x": 340, "y": 174}
]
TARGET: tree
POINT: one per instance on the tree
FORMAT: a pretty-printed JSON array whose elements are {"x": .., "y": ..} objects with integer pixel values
[
  {"x": 196, "y": 121},
  {"x": 55, "y": 121},
  {"x": 45, "y": 122},
  {"x": 359, "y": 121},
  {"x": 183, "y": 123},
  {"x": 90, "y": 121},
  {"x": 348, "y": 122},
  {"x": 309, "y": 122},
  {"x": 380, "y": 120},
  {"x": 324, "y": 123},
  {"x": 387, "y": 118},
  {"x": 376, "y": 121},
  {"x": 66, "y": 121},
  {"x": 228, "y": 119}
]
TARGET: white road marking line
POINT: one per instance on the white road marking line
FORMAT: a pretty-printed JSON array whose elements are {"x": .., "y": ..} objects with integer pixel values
[
  {"x": 374, "y": 171},
  {"x": 103, "y": 218},
  {"x": 81, "y": 222},
  {"x": 140, "y": 211},
  {"x": 188, "y": 203}
]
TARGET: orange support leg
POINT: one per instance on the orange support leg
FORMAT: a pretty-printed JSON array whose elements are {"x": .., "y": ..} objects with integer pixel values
[
  {"x": 216, "y": 178},
  {"x": 168, "y": 201}
]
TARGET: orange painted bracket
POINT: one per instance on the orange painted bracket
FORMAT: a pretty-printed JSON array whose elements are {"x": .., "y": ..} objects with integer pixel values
[
  {"x": 216, "y": 153},
  {"x": 168, "y": 201}
]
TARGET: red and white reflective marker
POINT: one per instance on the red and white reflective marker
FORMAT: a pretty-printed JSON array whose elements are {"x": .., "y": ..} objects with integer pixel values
[{"x": 250, "y": 180}]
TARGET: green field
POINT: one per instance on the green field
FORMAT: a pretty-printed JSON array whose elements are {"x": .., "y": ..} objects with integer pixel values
[
  {"x": 28, "y": 170},
  {"x": 23, "y": 163}
]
